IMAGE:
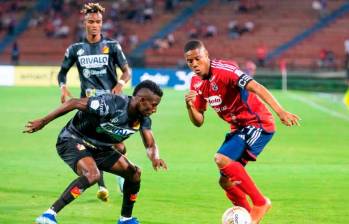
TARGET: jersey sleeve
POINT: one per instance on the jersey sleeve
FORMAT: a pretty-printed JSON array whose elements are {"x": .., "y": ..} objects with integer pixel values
[
  {"x": 99, "y": 105},
  {"x": 119, "y": 55},
  {"x": 236, "y": 78},
  {"x": 199, "y": 103},
  {"x": 68, "y": 61},
  {"x": 146, "y": 123}
]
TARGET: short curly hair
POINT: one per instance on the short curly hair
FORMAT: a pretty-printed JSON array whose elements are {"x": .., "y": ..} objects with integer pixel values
[
  {"x": 150, "y": 85},
  {"x": 92, "y": 8}
]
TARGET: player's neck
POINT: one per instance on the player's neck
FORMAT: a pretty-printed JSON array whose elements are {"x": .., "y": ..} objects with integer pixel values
[{"x": 93, "y": 38}]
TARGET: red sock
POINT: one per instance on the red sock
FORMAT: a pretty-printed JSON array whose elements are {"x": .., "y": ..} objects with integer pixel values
[
  {"x": 238, "y": 197},
  {"x": 236, "y": 172}
]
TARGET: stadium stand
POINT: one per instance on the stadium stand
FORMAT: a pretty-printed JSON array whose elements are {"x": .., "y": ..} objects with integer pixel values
[
  {"x": 37, "y": 48},
  {"x": 273, "y": 22}
]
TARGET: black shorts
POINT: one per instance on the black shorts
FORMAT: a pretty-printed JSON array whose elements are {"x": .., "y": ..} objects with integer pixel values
[{"x": 71, "y": 150}]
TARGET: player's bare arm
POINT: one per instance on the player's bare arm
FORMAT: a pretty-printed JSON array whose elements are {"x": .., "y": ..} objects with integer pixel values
[
  {"x": 125, "y": 77},
  {"x": 152, "y": 150},
  {"x": 286, "y": 117},
  {"x": 65, "y": 94},
  {"x": 72, "y": 104},
  {"x": 196, "y": 117}
]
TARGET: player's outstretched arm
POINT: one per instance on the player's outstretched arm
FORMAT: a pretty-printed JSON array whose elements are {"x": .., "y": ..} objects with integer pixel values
[
  {"x": 196, "y": 117},
  {"x": 286, "y": 117},
  {"x": 72, "y": 104},
  {"x": 152, "y": 150},
  {"x": 125, "y": 77}
]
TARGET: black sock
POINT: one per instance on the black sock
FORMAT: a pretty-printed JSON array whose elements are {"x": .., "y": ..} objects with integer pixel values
[
  {"x": 130, "y": 195},
  {"x": 77, "y": 187},
  {"x": 101, "y": 180}
]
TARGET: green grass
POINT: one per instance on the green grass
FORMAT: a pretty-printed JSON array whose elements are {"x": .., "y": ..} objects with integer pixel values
[{"x": 304, "y": 170}]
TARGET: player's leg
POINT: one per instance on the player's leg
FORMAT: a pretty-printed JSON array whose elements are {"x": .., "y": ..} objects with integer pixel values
[
  {"x": 102, "y": 193},
  {"x": 132, "y": 175},
  {"x": 227, "y": 159},
  {"x": 120, "y": 147},
  {"x": 234, "y": 193},
  {"x": 79, "y": 158},
  {"x": 88, "y": 173}
]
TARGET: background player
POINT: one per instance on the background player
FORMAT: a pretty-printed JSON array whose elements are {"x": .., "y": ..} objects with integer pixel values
[
  {"x": 86, "y": 143},
  {"x": 96, "y": 58},
  {"x": 233, "y": 95}
]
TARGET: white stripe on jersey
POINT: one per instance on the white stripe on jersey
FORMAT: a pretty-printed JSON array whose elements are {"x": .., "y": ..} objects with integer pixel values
[
  {"x": 222, "y": 67},
  {"x": 232, "y": 68},
  {"x": 225, "y": 65}
]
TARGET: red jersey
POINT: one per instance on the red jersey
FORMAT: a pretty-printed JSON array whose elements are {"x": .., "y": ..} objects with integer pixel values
[{"x": 225, "y": 92}]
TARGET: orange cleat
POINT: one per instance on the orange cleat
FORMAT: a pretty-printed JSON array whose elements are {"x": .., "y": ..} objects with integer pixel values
[{"x": 258, "y": 212}]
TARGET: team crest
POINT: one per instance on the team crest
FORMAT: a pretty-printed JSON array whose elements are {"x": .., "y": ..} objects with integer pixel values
[
  {"x": 105, "y": 50},
  {"x": 214, "y": 86},
  {"x": 80, "y": 52}
]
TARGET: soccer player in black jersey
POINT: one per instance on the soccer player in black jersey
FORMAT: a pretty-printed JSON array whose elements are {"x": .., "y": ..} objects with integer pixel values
[
  {"x": 86, "y": 143},
  {"x": 96, "y": 58}
]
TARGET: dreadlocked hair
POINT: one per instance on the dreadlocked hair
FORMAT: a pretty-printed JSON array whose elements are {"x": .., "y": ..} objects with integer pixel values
[{"x": 92, "y": 8}]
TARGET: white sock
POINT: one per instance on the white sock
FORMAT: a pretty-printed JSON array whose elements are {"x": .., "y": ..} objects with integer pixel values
[
  {"x": 50, "y": 211},
  {"x": 122, "y": 218}
]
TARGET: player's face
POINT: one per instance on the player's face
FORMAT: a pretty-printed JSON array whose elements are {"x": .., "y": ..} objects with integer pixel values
[
  {"x": 198, "y": 61},
  {"x": 148, "y": 104},
  {"x": 93, "y": 23}
]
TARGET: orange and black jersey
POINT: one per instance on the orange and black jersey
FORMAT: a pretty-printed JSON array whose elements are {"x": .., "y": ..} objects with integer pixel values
[
  {"x": 96, "y": 63},
  {"x": 106, "y": 121}
]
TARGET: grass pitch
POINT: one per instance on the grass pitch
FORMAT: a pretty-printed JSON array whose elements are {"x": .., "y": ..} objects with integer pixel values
[{"x": 304, "y": 170}]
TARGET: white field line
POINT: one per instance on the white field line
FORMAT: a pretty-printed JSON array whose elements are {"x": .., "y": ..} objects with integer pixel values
[{"x": 319, "y": 107}]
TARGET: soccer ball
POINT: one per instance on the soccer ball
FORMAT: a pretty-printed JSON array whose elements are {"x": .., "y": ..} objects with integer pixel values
[{"x": 236, "y": 215}]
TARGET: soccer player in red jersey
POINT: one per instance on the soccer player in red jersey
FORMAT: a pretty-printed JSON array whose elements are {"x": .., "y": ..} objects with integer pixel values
[{"x": 236, "y": 98}]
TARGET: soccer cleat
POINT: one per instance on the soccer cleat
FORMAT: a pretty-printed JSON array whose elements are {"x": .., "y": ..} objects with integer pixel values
[
  {"x": 46, "y": 218},
  {"x": 258, "y": 212},
  {"x": 133, "y": 220},
  {"x": 103, "y": 194},
  {"x": 121, "y": 182}
]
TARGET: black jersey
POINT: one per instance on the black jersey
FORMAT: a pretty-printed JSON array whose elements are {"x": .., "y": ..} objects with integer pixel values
[
  {"x": 106, "y": 121},
  {"x": 96, "y": 64}
]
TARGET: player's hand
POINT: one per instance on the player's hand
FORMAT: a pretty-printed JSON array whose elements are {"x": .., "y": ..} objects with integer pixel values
[
  {"x": 117, "y": 89},
  {"x": 190, "y": 97},
  {"x": 289, "y": 119},
  {"x": 159, "y": 164},
  {"x": 65, "y": 94},
  {"x": 33, "y": 126}
]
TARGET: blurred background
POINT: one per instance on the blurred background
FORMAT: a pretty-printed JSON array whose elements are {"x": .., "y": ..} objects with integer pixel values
[{"x": 307, "y": 40}]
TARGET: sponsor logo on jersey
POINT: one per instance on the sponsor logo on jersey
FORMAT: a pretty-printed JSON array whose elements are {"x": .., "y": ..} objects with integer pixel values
[
  {"x": 116, "y": 131},
  {"x": 80, "y": 52},
  {"x": 93, "y": 61},
  {"x": 94, "y": 104},
  {"x": 105, "y": 50},
  {"x": 214, "y": 100},
  {"x": 87, "y": 73},
  {"x": 197, "y": 85}
]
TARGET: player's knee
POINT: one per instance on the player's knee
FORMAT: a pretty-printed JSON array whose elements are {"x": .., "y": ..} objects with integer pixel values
[
  {"x": 221, "y": 160},
  {"x": 93, "y": 176},
  {"x": 134, "y": 173}
]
